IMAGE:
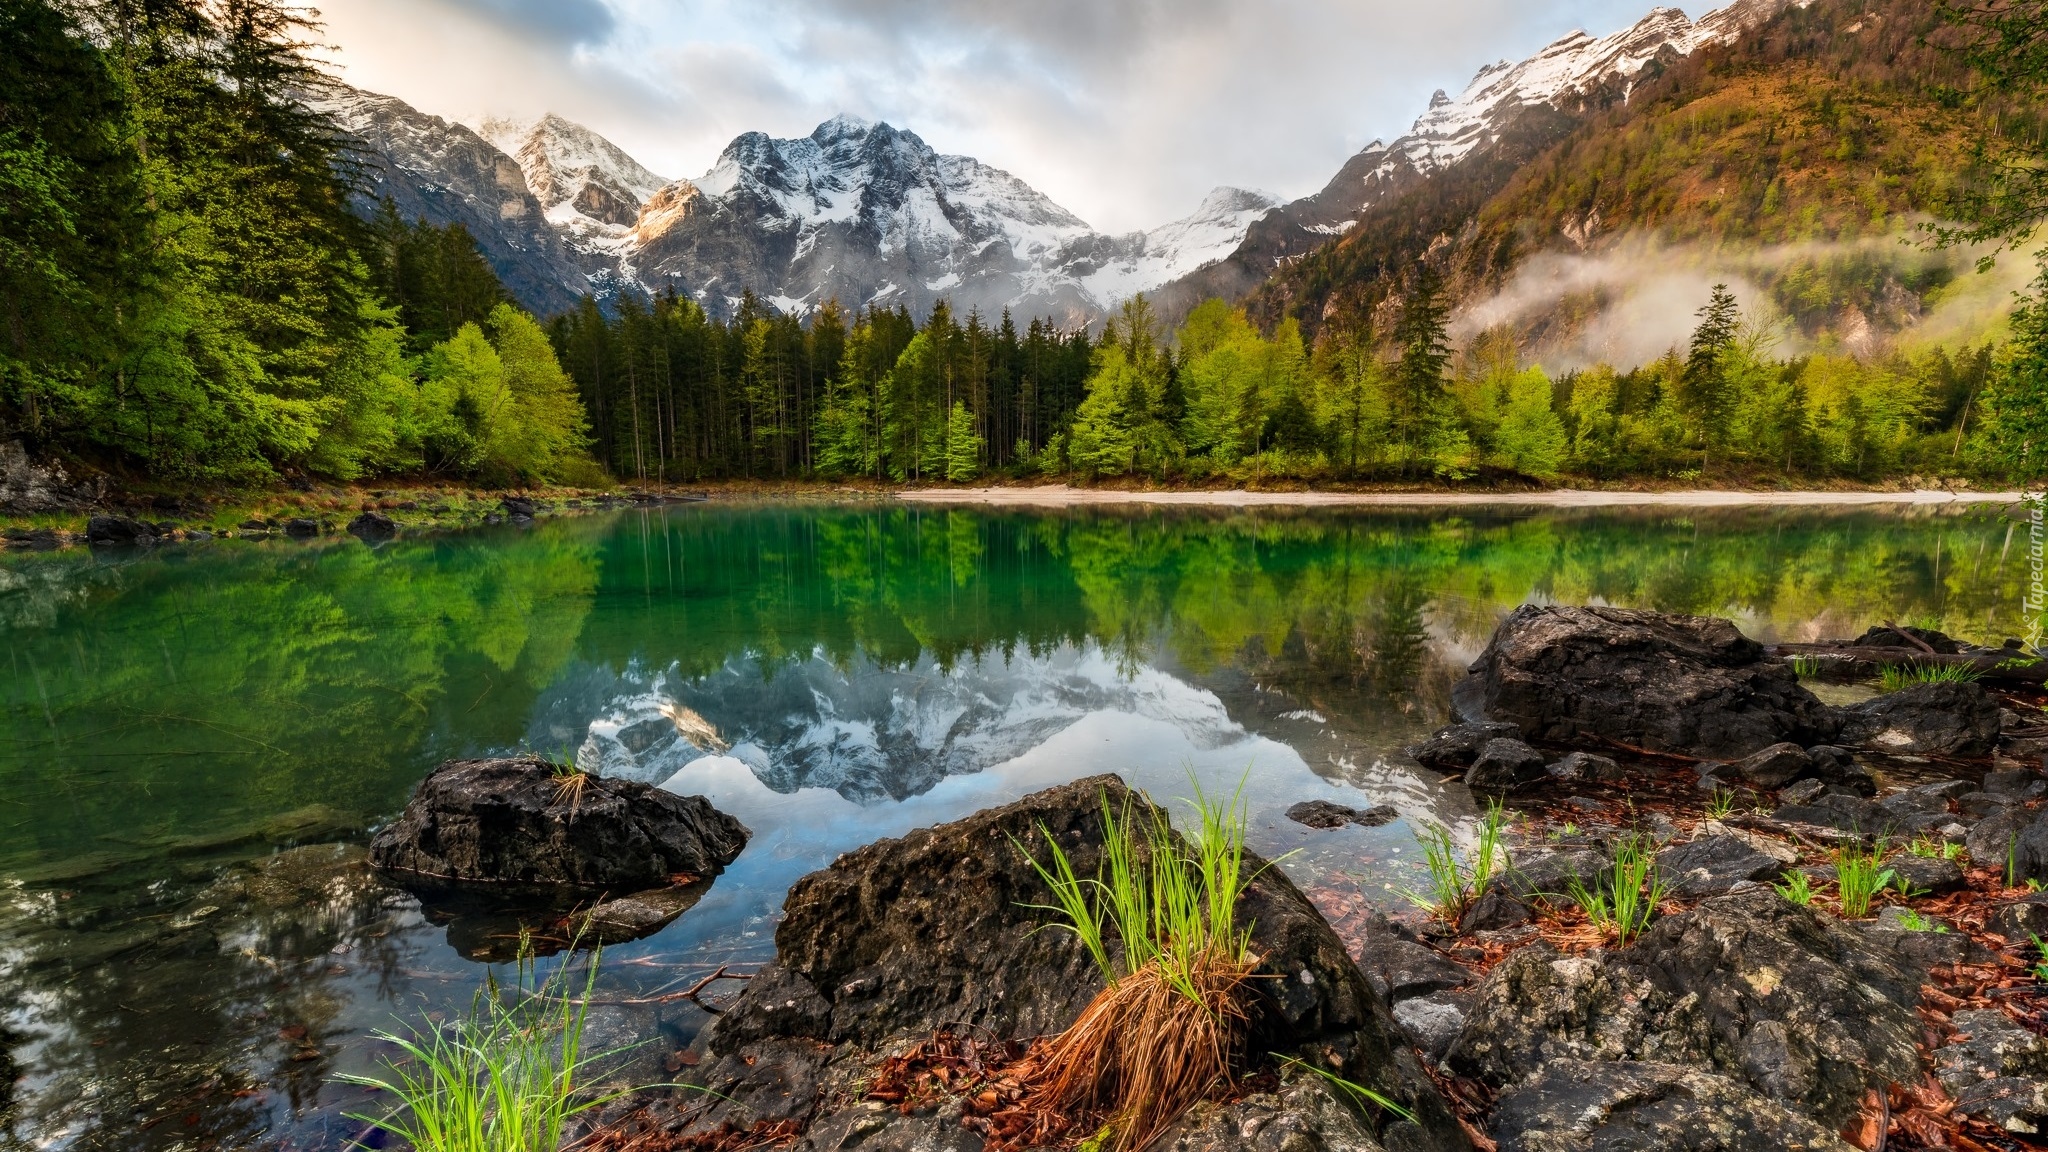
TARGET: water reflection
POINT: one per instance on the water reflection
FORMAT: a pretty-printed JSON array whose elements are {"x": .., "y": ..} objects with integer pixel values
[{"x": 194, "y": 742}]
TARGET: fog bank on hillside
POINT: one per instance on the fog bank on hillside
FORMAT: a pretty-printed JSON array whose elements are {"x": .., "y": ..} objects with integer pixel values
[{"x": 1636, "y": 298}]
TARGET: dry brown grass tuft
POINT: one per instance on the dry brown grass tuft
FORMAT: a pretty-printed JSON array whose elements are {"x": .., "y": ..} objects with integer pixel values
[{"x": 1143, "y": 1050}]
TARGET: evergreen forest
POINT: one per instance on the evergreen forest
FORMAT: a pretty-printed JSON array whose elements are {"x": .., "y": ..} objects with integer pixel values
[{"x": 196, "y": 288}]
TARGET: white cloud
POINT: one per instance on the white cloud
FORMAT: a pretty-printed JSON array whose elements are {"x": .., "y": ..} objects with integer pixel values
[{"x": 1125, "y": 111}]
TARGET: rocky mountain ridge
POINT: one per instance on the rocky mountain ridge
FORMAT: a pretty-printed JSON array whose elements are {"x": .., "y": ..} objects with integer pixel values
[
  {"x": 869, "y": 214},
  {"x": 858, "y": 212},
  {"x": 1503, "y": 117}
]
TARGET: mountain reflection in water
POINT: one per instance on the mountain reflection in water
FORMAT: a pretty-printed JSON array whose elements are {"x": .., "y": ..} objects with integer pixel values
[{"x": 199, "y": 739}]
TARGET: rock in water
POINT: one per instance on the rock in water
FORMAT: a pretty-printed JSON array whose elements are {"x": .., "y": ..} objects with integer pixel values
[
  {"x": 510, "y": 821},
  {"x": 1947, "y": 718},
  {"x": 118, "y": 530},
  {"x": 1326, "y": 814},
  {"x": 936, "y": 930},
  {"x": 1673, "y": 683},
  {"x": 373, "y": 526}
]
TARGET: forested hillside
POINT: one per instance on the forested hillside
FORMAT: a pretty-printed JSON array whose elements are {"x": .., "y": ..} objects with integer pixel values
[
  {"x": 1835, "y": 122},
  {"x": 191, "y": 292}
]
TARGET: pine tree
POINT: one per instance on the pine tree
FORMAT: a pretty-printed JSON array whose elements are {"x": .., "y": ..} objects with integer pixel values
[
  {"x": 963, "y": 445},
  {"x": 1421, "y": 418},
  {"x": 1703, "y": 389}
]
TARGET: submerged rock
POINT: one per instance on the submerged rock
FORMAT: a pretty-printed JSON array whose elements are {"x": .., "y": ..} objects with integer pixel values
[
  {"x": 1325, "y": 814},
  {"x": 1668, "y": 682},
  {"x": 1889, "y": 636},
  {"x": 515, "y": 821},
  {"x": 1941, "y": 719}
]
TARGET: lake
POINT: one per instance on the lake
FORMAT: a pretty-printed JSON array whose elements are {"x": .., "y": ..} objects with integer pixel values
[{"x": 195, "y": 741}]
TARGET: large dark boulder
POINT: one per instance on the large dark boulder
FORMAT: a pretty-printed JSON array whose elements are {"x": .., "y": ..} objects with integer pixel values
[
  {"x": 938, "y": 931},
  {"x": 1644, "y": 1106},
  {"x": 1804, "y": 1009},
  {"x": 1948, "y": 718},
  {"x": 1650, "y": 679},
  {"x": 1889, "y": 636},
  {"x": 370, "y": 527},
  {"x": 119, "y": 530},
  {"x": 510, "y": 821}
]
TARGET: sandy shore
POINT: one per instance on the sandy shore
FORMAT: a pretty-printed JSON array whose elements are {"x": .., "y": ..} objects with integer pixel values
[{"x": 1062, "y": 496}]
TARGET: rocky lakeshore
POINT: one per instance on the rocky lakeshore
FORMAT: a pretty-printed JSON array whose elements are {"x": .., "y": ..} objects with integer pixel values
[
  {"x": 1763, "y": 1002},
  {"x": 32, "y": 519}
]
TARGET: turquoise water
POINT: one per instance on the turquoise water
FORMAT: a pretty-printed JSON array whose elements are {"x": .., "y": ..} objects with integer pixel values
[{"x": 196, "y": 740}]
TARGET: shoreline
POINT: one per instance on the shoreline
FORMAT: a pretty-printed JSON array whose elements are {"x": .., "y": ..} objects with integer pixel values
[{"x": 1066, "y": 496}]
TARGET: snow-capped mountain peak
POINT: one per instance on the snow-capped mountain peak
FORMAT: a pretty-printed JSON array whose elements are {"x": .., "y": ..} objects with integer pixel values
[
  {"x": 1140, "y": 261},
  {"x": 857, "y": 210},
  {"x": 1571, "y": 64},
  {"x": 585, "y": 182}
]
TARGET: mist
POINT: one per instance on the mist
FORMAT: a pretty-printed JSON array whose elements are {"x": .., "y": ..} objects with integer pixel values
[{"x": 1637, "y": 298}]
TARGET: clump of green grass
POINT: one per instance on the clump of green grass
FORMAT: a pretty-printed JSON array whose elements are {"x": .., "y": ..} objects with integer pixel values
[
  {"x": 1859, "y": 877},
  {"x": 1622, "y": 906},
  {"x": 1798, "y": 888},
  {"x": 506, "y": 1077},
  {"x": 1357, "y": 1091},
  {"x": 1913, "y": 921},
  {"x": 1894, "y": 677},
  {"x": 2041, "y": 954},
  {"x": 1720, "y": 804},
  {"x": 1805, "y": 667},
  {"x": 1171, "y": 1024},
  {"x": 1453, "y": 883},
  {"x": 570, "y": 779},
  {"x": 1931, "y": 848}
]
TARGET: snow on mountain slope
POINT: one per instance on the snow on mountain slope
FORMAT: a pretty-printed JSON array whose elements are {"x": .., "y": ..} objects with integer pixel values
[
  {"x": 1525, "y": 104},
  {"x": 1569, "y": 66},
  {"x": 859, "y": 212},
  {"x": 1142, "y": 261},
  {"x": 442, "y": 172},
  {"x": 589, "y": 186}
]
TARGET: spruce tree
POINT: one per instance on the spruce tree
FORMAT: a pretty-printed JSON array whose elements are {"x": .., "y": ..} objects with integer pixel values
[
  {"x": 1704, "y": 389},
  {"x": 1419, "y": 418}
]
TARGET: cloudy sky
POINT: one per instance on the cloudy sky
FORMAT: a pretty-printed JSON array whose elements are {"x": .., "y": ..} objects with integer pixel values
[{"x": 1124, "y": 111}]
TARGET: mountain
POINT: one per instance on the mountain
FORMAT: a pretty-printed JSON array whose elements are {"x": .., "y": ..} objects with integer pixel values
[
  {"x": 863, "y": 213},
  {"x": 581, "y": 178},
  {"x": 858, "y": 212},
  {"x": 1503, "y": 119},
  {"x": 442, "y": 171},
  {"x": 1788, "y": 150}
]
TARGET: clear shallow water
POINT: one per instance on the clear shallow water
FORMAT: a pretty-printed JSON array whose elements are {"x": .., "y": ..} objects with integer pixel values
[{"x": 195, "y": 742}]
